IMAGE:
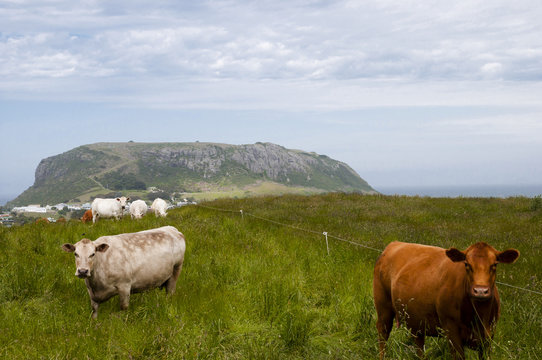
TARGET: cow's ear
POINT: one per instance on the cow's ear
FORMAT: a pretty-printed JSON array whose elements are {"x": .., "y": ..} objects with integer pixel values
[
  {"x": 456, "y": 255},
  {"x": 68, "y": 248},
  {"x": 127, "y": 199},
  {"x": 508, "y": 256},
  {"x": 102, "y": 247}
]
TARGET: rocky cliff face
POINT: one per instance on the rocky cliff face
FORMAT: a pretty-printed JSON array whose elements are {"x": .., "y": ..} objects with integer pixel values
[
  {"x": 207, "y": 160},
  {"x": 272, "y": 160},
  {"x": 184, "y": 167}
]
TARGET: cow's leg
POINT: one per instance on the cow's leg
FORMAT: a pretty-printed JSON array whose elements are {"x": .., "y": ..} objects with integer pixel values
[
  {"x": 454, "y": 338},
  {"x": 484, "y": 350},
  {"x": 482, "y": 353},
  {"x": 385, "y": 314},
  {"x": 172, "y": 281},
  {"x": 94, "y": 217},
  {"x": 384, "y": 325},
  {"x": 124, "y": 296},
  {"x": 95, "y": 306},
  {"x": 419, "y": 340}
]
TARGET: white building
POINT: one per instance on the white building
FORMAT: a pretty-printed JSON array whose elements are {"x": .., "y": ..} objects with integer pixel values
[
  {"x": 60, "y": 206},
  {"x": 30, "y": 209}
]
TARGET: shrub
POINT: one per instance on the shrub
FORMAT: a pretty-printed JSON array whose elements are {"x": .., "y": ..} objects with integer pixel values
[
  {"x": 161, "y": 194},
  {"x": 536, "y": 203}
]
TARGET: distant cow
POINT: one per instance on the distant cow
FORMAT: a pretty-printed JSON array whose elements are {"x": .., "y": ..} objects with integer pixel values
[
  {"x": 159, "y": 207},
  {"x": 87, "y": 216},
  {"x": 128, "y": 263},
  {"x": 437, "y": 291},
  {"x": 137, "y": 209},
  {"x": 106, "y": 208},
  {"x": 42, "y": 221}
]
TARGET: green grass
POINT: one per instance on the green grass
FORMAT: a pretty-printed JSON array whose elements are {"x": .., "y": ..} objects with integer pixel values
[
  {"x": 259, "y": 188},
  {"x": 251, "y": 289}
]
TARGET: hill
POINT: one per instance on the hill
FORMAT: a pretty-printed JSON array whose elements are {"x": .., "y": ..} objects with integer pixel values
[
  {"x": 187, "y": 168},
  {"x": 253, "y": 289}
]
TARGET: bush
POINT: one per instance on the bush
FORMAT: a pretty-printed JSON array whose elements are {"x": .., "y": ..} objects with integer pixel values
[
  {"x": 120, "y": 181},
  {"x": 160, "y": 194},
  {"x": 77, "y": 214},
  {"x": 536, "y": 203}
]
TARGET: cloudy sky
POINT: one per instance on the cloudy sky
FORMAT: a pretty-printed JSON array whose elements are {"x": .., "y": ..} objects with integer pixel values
[{"x": 409, "y": 93}]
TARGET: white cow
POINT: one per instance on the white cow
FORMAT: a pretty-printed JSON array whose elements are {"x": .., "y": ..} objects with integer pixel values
[
  {"x": 106, "y": 208},
  {"x": 127, "y": 263},
  {"x": 137, "y": 209},
  {"x": 159, "y": 207}
]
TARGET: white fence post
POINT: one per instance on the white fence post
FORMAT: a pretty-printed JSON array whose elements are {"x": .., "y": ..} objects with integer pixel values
[{"x": 327, "y": 244}]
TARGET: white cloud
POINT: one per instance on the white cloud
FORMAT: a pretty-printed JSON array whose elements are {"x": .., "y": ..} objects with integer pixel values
[
  {"x": 343, "y": 40},
  {"x": 491, "y": 70}
]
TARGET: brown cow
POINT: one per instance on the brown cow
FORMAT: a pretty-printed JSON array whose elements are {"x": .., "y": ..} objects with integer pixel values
[
  {"x": 439, "y": 292},
  {"x": 87, "y": 216}
]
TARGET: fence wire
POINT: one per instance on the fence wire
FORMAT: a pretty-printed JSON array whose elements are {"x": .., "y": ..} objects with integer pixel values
[{"x": 242, "y": 212}]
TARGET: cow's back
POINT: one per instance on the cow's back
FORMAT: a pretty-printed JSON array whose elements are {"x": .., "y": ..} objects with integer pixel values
[
  {"x": 416, "y": 280},
  {"x": 87, "y": 216},
  {"x": 138, "y": 208},
  {"x": 106, "y": 207},
  {"x": 159, "y": 206},
  {"x": 145, "y": 258}
]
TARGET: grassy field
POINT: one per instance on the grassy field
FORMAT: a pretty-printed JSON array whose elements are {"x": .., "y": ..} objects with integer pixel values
[
  {"x": 261, "y": 188},
  {"x": 252, "y": 289}
]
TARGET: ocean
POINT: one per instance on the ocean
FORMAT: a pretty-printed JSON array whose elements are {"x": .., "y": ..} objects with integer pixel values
[
  {"x": 5, "y": 198},
  {"x": 500, "y": 191}
]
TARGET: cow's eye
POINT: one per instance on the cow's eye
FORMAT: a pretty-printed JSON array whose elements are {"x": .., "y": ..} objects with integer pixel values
[
  {"x": 76, "y": 254},
  {"x": 467, "y": 266},
  {"x": 91, "y": 255},
  {"x": 494, "y": 267}
]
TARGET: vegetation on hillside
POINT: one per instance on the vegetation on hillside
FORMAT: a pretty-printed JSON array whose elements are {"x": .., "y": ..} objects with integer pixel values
[
  {"x": 184, "y": 167},
  {"x": 257, "y": 289},
  {"x": 118, "y": 180}
]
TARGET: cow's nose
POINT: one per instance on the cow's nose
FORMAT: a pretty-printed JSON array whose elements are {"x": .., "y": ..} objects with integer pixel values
[
  {"x": 82, "y": 273},
  {"x": 481, "y": 292}
]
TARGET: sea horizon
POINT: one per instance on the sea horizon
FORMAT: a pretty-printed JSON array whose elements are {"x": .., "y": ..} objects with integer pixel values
[{"x": 452, "y": 191}]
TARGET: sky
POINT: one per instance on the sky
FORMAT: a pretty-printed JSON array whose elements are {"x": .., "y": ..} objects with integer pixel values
[{"x": 408, "y": 93}]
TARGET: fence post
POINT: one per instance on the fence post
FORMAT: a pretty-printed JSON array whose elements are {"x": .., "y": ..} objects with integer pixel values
[
  {"x": 327, "y": 244},
  {"x": 242, "y": 216}
]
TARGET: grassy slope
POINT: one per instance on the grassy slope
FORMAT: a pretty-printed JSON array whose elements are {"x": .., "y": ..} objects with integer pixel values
[{"x": 253, "y": 289}]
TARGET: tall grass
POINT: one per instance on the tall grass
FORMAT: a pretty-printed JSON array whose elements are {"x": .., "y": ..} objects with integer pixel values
[{"x": 254, "y": 289}]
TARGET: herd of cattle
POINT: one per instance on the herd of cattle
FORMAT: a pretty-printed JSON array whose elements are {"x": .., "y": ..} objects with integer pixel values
[
  {"x": 433, "y": 291},
  {"x": 114, "y": 208}
]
